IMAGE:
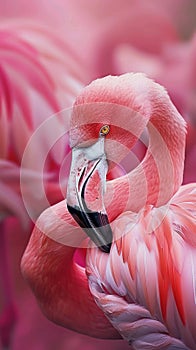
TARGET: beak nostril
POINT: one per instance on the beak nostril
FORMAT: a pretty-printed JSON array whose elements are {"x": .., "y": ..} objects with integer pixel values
[{"x": 81, "y": 178}]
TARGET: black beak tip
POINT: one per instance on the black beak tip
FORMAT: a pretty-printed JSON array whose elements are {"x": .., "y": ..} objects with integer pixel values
[
  {"x": 105, "y": 248},
  {"x": 96, "y": 226}
]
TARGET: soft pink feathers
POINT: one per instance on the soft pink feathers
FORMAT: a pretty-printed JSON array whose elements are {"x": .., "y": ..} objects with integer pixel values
[{"x": 146, "y": 285}]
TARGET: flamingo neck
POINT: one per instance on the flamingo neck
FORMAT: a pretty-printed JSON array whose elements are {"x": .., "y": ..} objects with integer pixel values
[
  {"x": 58, "y": 282},
  {"x": 160, "y": 174}
]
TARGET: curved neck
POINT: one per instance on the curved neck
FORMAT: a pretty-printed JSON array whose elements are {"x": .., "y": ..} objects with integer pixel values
[
  {"x": 59, "y": 284},
  {"x": 159, "y": 175}
]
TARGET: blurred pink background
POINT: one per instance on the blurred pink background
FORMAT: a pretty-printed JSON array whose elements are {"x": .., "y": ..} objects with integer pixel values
[{"x": 48, "y": 51}]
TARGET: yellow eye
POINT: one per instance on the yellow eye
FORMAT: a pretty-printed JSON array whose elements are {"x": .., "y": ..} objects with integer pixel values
[{"x": 104, "y": 130}]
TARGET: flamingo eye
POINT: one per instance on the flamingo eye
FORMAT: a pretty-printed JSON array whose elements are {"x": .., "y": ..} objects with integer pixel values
[{"x": 104, "y": 130}]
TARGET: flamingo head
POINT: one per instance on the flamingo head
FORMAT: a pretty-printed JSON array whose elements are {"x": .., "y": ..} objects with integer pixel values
[{"x": 107, "y": 119}]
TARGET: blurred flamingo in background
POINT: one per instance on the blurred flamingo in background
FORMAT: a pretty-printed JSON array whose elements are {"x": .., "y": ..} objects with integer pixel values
[
  {"x": 29, "y": 95},
  {"x": 142, "y": 275}
]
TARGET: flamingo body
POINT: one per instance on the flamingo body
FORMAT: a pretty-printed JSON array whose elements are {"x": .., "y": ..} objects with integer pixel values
[{"x": 145, "y": 284}]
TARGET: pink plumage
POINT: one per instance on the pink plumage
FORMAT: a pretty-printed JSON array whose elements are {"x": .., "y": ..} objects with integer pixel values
[{"x": 145, "y": 285}]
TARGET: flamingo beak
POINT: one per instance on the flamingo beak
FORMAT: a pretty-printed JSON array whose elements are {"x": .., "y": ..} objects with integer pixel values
[{"x": 88, "y": 176}]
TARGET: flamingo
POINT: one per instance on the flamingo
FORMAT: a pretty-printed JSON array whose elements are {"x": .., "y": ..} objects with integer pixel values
[{"x": 138, "y": 281}]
